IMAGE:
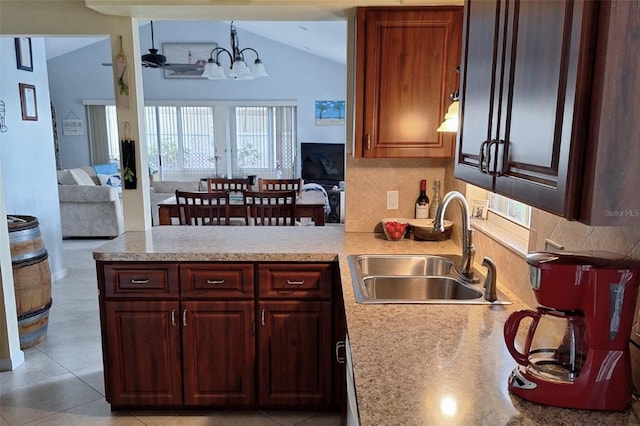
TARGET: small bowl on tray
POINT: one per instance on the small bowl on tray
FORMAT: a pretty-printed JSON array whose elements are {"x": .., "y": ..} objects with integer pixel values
[{"x": 423, "y": 230}]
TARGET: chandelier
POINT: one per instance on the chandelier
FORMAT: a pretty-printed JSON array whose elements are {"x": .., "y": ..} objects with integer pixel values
[{"x": 239, "y": 69}]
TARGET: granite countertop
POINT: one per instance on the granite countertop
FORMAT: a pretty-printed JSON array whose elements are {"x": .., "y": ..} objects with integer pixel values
[{"x": 413, "y": 364}]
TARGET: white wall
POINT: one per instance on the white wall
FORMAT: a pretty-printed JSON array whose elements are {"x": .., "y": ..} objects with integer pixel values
[
  {"x": 294, "y": 75},
  {"x": 27, "y": 151}
]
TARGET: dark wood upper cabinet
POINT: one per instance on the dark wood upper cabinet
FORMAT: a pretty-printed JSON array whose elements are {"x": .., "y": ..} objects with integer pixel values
[
  {"x": 406, "y": 60},
  {"x": 533, "y": 94}
]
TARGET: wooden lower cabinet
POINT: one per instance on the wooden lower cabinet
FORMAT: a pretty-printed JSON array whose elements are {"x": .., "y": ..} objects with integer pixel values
[
  {"x": 204, "y": 346},
  {"x": 218, "y": 353},
  {"x": 141, "y": 352},
  {"x": 295, "y": 364}
]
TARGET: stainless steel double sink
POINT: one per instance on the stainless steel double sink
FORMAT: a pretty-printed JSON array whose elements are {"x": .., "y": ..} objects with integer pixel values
[{"x": 411, "y": 278}]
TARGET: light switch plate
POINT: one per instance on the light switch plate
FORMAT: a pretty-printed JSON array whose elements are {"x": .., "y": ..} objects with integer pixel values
[{"x": 392, "y": 200}]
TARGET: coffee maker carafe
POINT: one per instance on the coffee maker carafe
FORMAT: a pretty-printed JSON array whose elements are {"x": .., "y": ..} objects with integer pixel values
[{"x": 575, "y": 351}]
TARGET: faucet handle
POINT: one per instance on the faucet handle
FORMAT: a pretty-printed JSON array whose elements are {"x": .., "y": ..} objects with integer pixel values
[{"x": 490, "y": 280}]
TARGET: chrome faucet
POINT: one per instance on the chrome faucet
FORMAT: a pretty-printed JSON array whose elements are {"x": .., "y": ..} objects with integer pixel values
[{"x": 468, "y": 251}]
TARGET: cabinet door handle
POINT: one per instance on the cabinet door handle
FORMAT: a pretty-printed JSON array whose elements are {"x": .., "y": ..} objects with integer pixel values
[
  {"x": 482, "y": 157},
  {"x": 140, "y": 281},
  {"x": 215, "y": 282},
  {"x": 262, "y": 318},
  {"x": 340, "y": 359},
  {"x": 494, "y": 145},
  {"x": 368, "y": 141},
  {"x": 184, "y": 318},
  {"x": 173, "y": 317}
]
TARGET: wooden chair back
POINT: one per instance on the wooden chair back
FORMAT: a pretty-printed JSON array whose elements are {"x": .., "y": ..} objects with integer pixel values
[
  {"x": 272, "y": 208},
  {"x": 280, "y": 185},
  {"x": 203, "y": 208},
  {"x": 231, "y": 184}
]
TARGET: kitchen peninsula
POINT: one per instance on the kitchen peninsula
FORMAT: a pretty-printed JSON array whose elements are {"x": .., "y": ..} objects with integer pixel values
[{"x": 412, "y": 364}]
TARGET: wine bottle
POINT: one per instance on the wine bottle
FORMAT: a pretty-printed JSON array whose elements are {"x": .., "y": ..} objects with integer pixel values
[{"x": 422, "y": 202}]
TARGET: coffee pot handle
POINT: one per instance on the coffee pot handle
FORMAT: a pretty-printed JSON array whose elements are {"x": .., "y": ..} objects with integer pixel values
[{"x": 511, "y": 327}]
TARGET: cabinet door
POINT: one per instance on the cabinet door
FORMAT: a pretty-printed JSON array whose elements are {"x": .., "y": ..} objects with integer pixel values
[
  {"x": 545, "y": 102},
  {"x": 406, "y": 61},
  {"x": 218, "y": 343},
  {"x": 479, "y": 91},
  {"x": 141, "y": 349},
  {"x": 525, "y": 91},
  {"x": 294, "y": 361}
]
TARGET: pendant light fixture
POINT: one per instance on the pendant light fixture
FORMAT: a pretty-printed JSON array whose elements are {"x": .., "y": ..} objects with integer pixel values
[
  {"x": 450, "y": 123},
  {"x": 239, "y": 69}
]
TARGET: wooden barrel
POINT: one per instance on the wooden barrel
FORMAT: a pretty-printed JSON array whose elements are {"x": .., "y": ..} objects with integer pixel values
[{"x": 31, "y": 279}]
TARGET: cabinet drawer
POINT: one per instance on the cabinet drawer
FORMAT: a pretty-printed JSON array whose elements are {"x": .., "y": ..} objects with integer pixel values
[
  {"x": 129, "y": 280},
  {"x": 295, "y": 280},
  {"x": 224, "y": 280}
]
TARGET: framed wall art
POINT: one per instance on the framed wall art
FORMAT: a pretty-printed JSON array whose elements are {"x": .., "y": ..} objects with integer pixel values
[
  {"x": 187, "y": 59},
  {"x": 329, "y": 113},
  {"x": 28, "y": 102},
  {"x": 24, "y": 57}
]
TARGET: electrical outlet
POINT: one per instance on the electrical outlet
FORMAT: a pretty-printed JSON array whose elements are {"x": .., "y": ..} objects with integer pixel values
[{"x": 392, "y": 200}]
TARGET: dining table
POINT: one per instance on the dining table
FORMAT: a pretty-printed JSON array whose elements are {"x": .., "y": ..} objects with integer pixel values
[{"x": 309, "y": 204}]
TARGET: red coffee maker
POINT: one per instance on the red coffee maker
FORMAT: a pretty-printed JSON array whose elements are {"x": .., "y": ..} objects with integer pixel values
[{"x": 575, "y": 351}]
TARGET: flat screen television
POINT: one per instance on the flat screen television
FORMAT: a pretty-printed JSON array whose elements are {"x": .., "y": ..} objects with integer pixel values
[{"x": 322, "y": 163}]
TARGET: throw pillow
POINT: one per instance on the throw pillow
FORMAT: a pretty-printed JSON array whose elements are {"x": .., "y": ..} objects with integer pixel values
[
  {"x": 81, "y": 177},
  {"x": 111, "y": 180},
  {"x": 106, "y": 169}
]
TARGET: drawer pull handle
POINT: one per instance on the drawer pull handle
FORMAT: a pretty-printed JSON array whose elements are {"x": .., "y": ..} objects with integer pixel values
[
  {"x": 289, "y": 282},
  {"x": 142, "y": 281},
  {"x": 215, "y": 282}
]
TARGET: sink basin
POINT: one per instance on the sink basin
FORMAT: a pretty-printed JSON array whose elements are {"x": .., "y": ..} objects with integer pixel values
[
  {"x": 403, "y": 265},
  {"x": 400, "y": 278},
  {"x": 413, "y": 288}
]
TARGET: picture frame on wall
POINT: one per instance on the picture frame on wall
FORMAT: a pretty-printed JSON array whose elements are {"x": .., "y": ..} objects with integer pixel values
[
  {"x": 28, "y": 102},
  {"x": 24, "y": 56},
  {"x": 187, "y": 59}
]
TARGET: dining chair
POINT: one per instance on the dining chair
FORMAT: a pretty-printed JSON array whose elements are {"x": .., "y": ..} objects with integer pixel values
[
  {"x": 203, "y": 208},
  {"x": 229, "y": 184},
  {"x": 274, "y": 208},
  {"x": 280, "y": 185}
]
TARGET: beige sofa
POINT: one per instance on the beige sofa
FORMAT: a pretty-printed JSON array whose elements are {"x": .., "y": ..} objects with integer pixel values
[
  {"x": 163, "y": 189},
  {"x": 87, "y": 207}
]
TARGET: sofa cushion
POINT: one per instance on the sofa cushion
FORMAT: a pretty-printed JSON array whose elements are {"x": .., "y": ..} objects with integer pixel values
[
  {"x": 65, "y": 177},
  {"x": 81, "y": 177}
]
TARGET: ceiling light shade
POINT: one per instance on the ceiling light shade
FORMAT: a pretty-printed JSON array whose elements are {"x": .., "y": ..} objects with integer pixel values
[
  {"x": 258, "y": 70},
  {"x": 450, "y": 123},
  {"x": 240, "y": 71},
  {"x": 213, "y": 71},
  {"x": 238, "y": 67}
]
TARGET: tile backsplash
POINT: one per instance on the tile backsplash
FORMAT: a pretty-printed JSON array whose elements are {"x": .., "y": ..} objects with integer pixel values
[{"x": 369, "y": 179}]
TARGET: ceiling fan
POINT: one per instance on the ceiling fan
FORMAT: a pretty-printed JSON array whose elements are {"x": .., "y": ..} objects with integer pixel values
[{"x": 153, "y": 59}]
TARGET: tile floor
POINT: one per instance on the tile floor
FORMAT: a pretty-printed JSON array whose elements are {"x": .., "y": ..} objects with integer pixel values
[{"x": 61, "y": 381}]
